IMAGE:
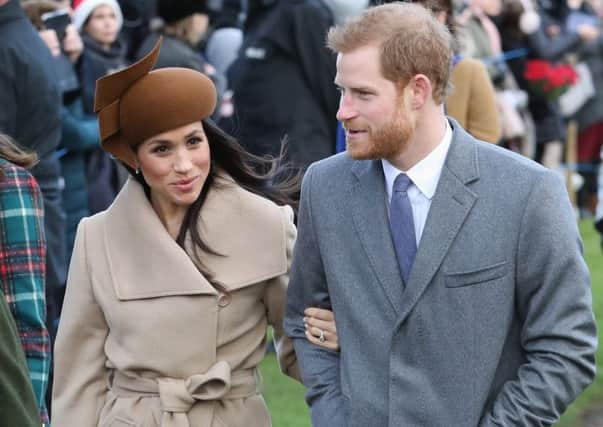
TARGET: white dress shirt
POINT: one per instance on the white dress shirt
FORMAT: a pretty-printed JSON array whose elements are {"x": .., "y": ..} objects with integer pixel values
[{"x": 425, "y": 176}]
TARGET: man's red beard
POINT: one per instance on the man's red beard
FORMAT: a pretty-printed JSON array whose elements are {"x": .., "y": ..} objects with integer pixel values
[{"x": 384, "y": 142}]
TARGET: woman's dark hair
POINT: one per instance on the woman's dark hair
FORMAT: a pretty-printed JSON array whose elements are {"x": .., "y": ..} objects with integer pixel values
[
  {"x": 10, "y": 151},
  {"x": 268, "y": 177}
]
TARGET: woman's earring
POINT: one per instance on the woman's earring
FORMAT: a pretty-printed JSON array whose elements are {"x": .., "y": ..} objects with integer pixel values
[{"x": 137, "y": 171}]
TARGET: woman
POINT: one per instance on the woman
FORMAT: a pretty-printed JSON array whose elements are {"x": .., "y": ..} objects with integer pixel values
[
  {"x": 79, "y": 136},
  {"x": 99, "y": 23},
  {"x": 22, "y": 255},
  {"x": 170, "y": 290}
]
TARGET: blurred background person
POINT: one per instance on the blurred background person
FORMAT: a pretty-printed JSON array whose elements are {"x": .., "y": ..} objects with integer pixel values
[
  {"x": 136, "y": 26},
  {"x": 282, "y": 81},
  {"x": 227, "y": 34},
  {"x": 99, "y": 23},
  {"x": 22, "y": 257},
  {"x": 79, "y": 131},
  {"x": 31, "y": 114},
  {"x": 184, "y": 25},
  {"x": 544, "y": 37}
]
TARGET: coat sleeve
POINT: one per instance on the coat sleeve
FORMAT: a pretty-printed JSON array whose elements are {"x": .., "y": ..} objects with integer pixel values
[
  {"x": 80, "y": 376},
  {"x": 484, "y": 120},
  {"x": 17, "y": 401},
  {"x": 8, "y": 92},
  {"x": 554, "y": 305},
  {"x": 473, "y": 101},
  {"x": 22, "y": 231},
  {"x": 80, "y": 131},
  {"x": 275, "y": 298},
  {"x": 319, "y": 367}
]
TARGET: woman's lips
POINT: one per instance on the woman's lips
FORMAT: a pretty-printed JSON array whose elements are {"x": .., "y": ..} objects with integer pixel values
[{"x": 186, "y": 184}]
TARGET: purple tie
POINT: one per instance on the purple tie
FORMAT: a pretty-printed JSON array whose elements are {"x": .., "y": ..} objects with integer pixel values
[{"x": 402, "y": 225}]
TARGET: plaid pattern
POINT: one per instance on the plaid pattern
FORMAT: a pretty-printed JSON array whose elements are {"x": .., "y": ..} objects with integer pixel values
[{"x": 22, "y": 270}]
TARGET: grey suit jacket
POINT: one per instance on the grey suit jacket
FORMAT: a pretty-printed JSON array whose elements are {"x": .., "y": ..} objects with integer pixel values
[{"x": 495, "y": 325}]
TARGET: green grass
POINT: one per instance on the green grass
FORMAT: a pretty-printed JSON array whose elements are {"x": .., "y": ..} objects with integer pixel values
[{"x": 285, "y": 397}]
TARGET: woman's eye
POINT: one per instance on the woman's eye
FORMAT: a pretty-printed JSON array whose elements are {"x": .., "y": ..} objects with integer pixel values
[
  {"x": 160, "y": 149},
  {"x": 194, "y": 141}
]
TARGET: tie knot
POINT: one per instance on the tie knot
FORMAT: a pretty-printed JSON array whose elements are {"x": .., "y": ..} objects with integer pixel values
[{"x": 401, "y": 183}]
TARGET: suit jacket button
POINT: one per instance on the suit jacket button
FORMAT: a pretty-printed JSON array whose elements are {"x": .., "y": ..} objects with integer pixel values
[{"x": 223, "y": 300}]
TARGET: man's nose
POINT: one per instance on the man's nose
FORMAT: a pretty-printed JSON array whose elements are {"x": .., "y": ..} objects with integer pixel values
[{"x": 346, "y": 109}]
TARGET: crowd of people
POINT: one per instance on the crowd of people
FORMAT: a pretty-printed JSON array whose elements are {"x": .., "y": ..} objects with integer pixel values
[{"x": 152, "y": 155}]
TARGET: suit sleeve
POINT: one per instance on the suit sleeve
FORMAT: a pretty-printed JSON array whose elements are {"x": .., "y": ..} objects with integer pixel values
[
  {"x": 80, "y": 376},
  {"x": 554, "y": 304},
  {"x": 319, "y": 367},
  {"x": 274, "y": 299}
]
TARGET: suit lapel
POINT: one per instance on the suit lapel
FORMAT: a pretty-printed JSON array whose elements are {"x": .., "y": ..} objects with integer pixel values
[
  {"x": 369, "y": 213},
  {"x": 450, "y": 207}
]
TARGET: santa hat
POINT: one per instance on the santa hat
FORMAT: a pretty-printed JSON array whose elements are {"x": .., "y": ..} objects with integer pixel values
[{"x": 82, "y": 9}]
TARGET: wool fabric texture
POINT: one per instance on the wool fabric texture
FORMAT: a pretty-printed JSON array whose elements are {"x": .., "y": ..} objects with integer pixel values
[{"x": 136, "y": 103}]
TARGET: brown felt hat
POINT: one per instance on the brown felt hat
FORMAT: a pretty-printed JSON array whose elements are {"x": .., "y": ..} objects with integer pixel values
[{"x": 136, "y": 103}]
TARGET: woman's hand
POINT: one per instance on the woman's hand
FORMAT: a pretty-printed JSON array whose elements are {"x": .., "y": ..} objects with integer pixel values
[{"x": 320, "y": 328}]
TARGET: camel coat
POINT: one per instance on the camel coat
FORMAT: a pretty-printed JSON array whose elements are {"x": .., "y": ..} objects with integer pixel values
[
  {"x": 472, "y": 101},
  {"x": 145, "y": 340}
]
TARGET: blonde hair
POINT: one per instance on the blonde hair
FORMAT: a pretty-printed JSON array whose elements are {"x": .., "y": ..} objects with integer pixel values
[{"x": 410, "y": 39}]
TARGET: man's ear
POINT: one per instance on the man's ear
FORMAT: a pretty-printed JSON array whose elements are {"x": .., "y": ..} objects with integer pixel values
[{"x": 420, "y": 91}]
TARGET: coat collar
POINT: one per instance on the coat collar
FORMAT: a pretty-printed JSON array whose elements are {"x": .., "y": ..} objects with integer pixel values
[{"x": 146, "y": 262}]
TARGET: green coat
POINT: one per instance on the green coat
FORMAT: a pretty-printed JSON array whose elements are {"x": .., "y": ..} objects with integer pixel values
[{"x": 18, "y": 405}]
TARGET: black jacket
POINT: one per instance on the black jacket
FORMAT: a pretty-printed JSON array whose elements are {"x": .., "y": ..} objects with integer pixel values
[
  {"x": 30, "y": 101},
  {"x": 283, "y": 81}
]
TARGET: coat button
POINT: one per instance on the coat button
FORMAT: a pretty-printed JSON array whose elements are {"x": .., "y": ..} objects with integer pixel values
[{"x": 223, "y": 300}]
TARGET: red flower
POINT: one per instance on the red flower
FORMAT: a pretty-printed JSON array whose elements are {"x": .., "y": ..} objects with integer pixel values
[{"x": 549, "y": 80}]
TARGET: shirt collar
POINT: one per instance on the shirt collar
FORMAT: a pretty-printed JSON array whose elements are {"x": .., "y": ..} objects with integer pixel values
[{"x": 426, "y": 173}]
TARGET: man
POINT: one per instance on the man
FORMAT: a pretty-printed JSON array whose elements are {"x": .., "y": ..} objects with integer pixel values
[
  {"x": 31, "y": 113},
  {"x": 475, "y": 309},
  {"x": 283, "y": 81}
]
